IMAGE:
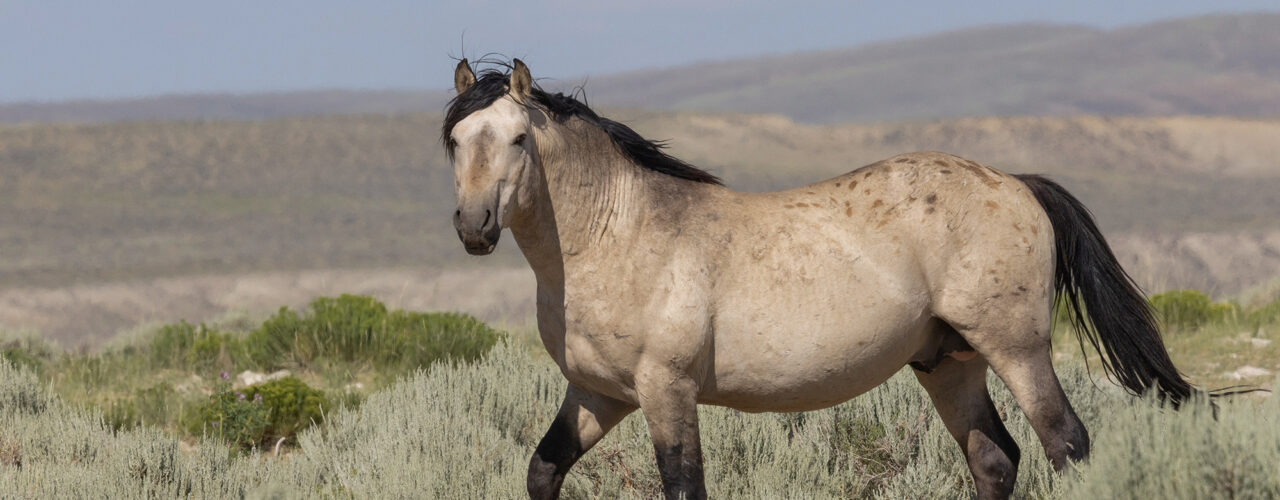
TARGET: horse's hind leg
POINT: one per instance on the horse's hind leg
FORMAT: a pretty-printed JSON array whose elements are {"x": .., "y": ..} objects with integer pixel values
[
  {"x": 1012, "y": 333},
  {"x": 959, "y": 392},
  {"x": 583, "y": 419},
  {"x": 1030, "y": 377}
]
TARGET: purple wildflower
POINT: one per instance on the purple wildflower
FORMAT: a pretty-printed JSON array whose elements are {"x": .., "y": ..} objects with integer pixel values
[
  {"x": 257, "y": 398},
  {"x": 224, "y": 375},
  {"x": 215, "y": 423},
  {"x": 240, "y": 396}
]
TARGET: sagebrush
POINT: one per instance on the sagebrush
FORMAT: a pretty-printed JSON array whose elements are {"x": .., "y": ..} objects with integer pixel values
[{"x": 467, "y": 430}]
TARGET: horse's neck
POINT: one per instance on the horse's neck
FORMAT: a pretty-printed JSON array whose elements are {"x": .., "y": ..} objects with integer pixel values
[{"x": 592, "y": 200}]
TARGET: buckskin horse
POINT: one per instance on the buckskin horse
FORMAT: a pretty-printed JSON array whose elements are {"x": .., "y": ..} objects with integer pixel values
[{"x": 659, "y": 289}]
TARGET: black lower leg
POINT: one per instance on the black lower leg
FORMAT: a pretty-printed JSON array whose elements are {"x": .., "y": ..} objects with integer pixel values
[
  {"x": 559, "y": 449},
  {"x": 681, "y": 472},
  {"x": 1065, "y": 439},
  {"x": 992, "y": 455}
]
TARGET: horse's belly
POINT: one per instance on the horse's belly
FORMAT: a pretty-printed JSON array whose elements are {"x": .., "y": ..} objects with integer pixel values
[
  {"x": 813, "y": 353},
  {"x": 815, "y": 376}
]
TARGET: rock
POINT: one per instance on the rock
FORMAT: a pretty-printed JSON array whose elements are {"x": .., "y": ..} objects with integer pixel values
[
  {"x": 1248, "y": 371},
  {"x": 1260, "y": 342},
  {"x": 249, "y": 377}
]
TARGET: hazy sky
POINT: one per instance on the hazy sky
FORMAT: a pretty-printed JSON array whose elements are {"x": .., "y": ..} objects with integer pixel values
[{"x": 57, "y": 50}]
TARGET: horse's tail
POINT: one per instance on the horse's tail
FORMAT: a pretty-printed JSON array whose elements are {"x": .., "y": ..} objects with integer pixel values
[{"x": 1120, "y": 323}]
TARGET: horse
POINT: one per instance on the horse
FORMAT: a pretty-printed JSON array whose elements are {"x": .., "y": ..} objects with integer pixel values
[{"x": 660, "y": 289}]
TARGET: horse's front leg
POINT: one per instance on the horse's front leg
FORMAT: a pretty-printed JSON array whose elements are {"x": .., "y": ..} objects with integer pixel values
[
  {"x": 670, "y": 406},
  {"x": 584, "y": 418}
]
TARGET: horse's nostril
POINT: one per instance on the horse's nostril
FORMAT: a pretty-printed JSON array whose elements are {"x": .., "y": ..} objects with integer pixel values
[{"x": 487, "y": 215}]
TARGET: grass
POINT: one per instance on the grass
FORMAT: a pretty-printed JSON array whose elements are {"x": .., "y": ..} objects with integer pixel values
[
  {"x": 1209, "y": 341},
  {"x": 460, "y": 419},
  {"x": 177, "y": 377},
  {"x": 467, "y": 430}
]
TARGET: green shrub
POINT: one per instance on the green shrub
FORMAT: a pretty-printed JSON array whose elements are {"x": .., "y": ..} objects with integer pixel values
[
  {"x": 193, "y": 347},
  {"x": 231, "y": 416},
  {"x": 146, "y": 406},
  {"x": 254, "y": 415},
  {"x": 28, "y": 350},
  {"x": 1265, "y": 315},
  {"x": 357, "y": 328},
  {"x": 294, "y": 405},
  {"x": 1189, "y": 309}
]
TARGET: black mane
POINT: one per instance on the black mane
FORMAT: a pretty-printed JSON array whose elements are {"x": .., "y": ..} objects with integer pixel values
[{"x": 492, "y": 85}]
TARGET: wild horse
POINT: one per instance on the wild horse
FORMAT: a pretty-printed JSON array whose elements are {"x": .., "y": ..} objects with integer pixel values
[{"x": 660, "y": 289}]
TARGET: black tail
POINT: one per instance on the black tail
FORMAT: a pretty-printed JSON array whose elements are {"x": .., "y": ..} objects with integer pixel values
[{"x": 1123, "y": 328}]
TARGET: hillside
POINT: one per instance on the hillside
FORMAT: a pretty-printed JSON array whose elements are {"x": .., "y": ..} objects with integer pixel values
[
  {"x": 1214, "y": 65},
  {"x": 1218, "y": 65},
  {"x": 110, "y": 208}
]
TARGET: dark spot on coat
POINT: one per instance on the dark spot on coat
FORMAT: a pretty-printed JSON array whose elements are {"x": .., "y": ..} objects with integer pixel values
[
  {"x": 942, "y": 163},
  {"x": 929, "y": 210},
  {"x": 992, "y": 205},
  {"x": 945, "y": 171},
  {"x": 984, "y": 175},
  {"x": 866, "y": 191},
  {"x": 788, "y": 206},
  {"x": 902, "y": 160},
  {"x": 931, "y": 198},
  {"x": 848, "y": 211},
  {"x": 853, "y": 184},
  {"x": 877, "y": 203},
  {"x": 837, "y": 184},
  {"x": 802, "y": 205}
]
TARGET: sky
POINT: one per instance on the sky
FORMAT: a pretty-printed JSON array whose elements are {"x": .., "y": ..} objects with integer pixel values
[{"x": 55, "y": 50}]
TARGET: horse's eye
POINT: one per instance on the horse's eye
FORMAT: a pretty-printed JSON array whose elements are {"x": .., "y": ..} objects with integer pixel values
[
  {"x": 452, "y": 143},
  {"x": 519, "y": 140}
]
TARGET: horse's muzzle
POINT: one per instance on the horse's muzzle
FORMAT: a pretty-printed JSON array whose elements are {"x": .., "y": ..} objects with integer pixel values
[{"x": 478, "y": 229}]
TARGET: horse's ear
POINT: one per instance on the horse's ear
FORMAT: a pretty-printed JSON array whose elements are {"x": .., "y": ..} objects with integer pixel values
[
  {"x": 463, "y": 78},
  {"x": 521, "y": 82}
]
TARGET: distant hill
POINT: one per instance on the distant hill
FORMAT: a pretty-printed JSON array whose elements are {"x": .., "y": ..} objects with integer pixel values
[
  {"x": 102, "y": 202},
  {"x": 106, "y": 225},
  {"x": 1214, "y": 65},
  {"x": 227, "y": 106}
]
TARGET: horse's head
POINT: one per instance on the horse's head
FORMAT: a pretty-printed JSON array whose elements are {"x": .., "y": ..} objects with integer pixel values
[{"x": 488, "y": 134}]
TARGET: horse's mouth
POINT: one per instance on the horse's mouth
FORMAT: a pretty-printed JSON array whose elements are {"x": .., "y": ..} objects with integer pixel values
[{"x": 481, "y": 249}]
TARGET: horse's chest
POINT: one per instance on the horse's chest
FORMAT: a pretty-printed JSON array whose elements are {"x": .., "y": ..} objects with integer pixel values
[
  {"x": 598, "y": 354},
  {"x": 594, "y": 362}
]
